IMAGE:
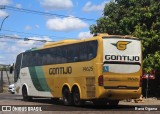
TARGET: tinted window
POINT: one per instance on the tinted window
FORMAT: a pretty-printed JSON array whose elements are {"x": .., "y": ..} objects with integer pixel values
[
  {"x": 63, "y": 54},
  {"x": 17, "y": 67}
]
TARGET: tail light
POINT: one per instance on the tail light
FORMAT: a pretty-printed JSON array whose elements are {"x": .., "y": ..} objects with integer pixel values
[
  {"x": 100, "y": 80},
  {"x": 140, "y": 83},
  {"x": 141, "y": 78}
]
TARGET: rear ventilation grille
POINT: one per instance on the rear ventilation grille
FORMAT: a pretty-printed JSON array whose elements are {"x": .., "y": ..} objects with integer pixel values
[{"x": 90, "y": 87}]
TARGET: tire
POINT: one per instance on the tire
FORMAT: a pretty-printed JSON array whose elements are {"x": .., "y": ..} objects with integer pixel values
[
  {"x": 113, "y": 102},
  {"x": 67, "y": 99},
  {"x": 25, "y": 94},
  {"x": 76, "y": 97},
  {"x": 12, "y": 92}
]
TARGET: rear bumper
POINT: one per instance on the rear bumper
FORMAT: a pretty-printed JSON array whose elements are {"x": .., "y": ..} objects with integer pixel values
[{"x": 119, "y": 94}]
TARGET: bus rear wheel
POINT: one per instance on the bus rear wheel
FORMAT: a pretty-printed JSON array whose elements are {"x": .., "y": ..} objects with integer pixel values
[
  {"x": 25, "y": 94},
  {"x": 67, "y": 99},
  {"x": 76, "y": 97}
]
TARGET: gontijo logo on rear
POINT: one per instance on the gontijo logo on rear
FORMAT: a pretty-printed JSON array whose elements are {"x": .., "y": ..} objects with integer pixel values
[{"x": 121, "y": 45}]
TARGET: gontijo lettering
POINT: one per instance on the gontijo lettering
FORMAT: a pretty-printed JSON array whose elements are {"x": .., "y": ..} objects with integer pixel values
[
  {"x": 122, "y": 57},
  {"x": 60, "y": 70}
]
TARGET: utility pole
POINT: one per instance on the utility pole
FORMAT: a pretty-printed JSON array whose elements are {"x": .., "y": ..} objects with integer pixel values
[
  {"x": 3, "y": 22},
  {"x": 1, "y": 69},
  {"x": 1, "y": 80}
]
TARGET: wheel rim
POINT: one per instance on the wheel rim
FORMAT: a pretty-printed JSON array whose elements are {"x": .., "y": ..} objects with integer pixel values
[
  {"x": 24, "y": 93},
  {"x": 66, "y": 97},
  {"x": 76, "y": 98}
]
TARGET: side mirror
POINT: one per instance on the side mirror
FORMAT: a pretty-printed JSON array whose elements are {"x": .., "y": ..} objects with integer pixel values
[{"x": 11, "y": 69}]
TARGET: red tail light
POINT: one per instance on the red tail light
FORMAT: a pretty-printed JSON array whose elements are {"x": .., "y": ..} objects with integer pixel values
[
  {"x": 100, "y": 80},
  {"x": 140, "y": 83}
]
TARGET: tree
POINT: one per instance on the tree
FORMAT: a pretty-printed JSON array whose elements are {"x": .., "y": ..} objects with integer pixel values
[{"x": 139, "y": 18}]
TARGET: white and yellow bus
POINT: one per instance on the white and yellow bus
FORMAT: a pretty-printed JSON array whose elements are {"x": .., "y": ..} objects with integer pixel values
[{"x": 103, "y": 69}]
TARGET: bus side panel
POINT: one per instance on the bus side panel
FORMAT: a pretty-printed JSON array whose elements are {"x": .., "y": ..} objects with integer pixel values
[
  {"x": 80, "y": 73},
  {"x": 28, "y": 77}
]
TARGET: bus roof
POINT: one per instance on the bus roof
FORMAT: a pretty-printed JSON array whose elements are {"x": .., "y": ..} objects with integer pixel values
[
  {"x": 104, "y": 35},
  {"x": 60, "y": 42},
  {"x": 99, "y": 35}
]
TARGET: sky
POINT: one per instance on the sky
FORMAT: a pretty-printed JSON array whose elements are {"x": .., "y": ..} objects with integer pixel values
[{"x": 51, "y": 20}]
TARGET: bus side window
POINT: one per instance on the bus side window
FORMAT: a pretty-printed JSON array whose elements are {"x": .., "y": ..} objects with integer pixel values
[
  {"x": 44, "y": 59},
  {"x": 90, "y": 56},
  {"x": 50, "y": 59},
  {"x": 83, "y": 52},
  {"x": 92, "y": 50},
  {"x": 17, "y": 67},
  {"x": 58, "y": 55},
  {"x": 75, "y": 59},
  {"x": 11, "y": 69},
  {"x": 69, "y": 54},
  {"x": 63, "y": 55},
  {"x": 38, "y": 61},
  {"x": 33, "y": 59},
  {"x": 52, "y": 56}
]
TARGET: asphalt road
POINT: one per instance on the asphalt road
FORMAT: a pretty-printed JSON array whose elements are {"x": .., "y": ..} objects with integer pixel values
[{"x": 7, "y": 99}]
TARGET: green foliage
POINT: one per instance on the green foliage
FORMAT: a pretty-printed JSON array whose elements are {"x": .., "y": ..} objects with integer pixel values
[
  {"x": 152, "y": 61},
  {"x": 139, "y": 18}
]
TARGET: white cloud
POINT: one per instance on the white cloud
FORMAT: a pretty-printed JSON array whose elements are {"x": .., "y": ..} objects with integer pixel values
[
  {"x": 1, "y": 62},
  {"x": 84, "y": 35},
  {"x": 18, "y": 6},
  {"x": 37, "y": 26},
  {"x": 65, "y": 24},
  {"x": 27, "y": 27},
  {"x": 24, "y": 44},
  {"x": 56, "y": 4},
  {"x": 5, "y": 2},
  {"x": 30, "y": 43},
  {"x": 91, "y": 7},
  {"x": 1, "y": 57},
  {"x": 11, "y": 50},
  {"x": 3, "y": 14},
  {"x": 3, "y": 44}
]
